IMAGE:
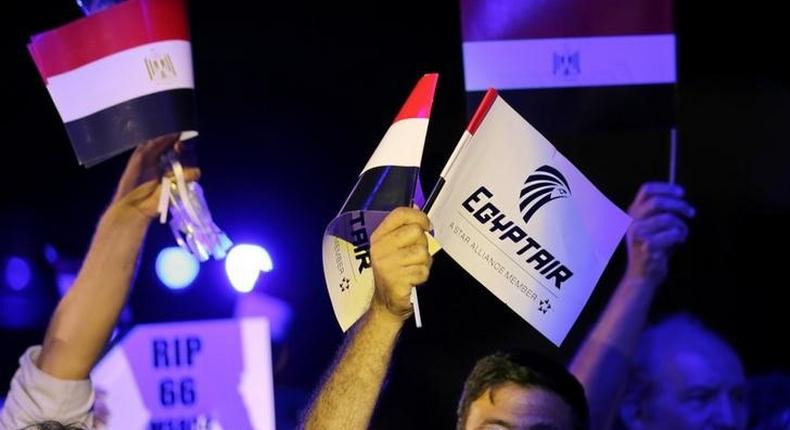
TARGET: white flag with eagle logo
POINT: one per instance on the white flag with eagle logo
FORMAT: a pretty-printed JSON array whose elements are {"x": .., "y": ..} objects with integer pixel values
[{"x": 521, "y": 219}]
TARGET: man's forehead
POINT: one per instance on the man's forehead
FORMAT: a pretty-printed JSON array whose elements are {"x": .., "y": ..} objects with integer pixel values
[
  {"x": 711, "y": 367},
  {"x": 510, "y": 406}
]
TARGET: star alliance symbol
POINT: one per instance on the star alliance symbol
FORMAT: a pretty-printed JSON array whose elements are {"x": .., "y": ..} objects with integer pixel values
[{"x": 544, "y": 306}]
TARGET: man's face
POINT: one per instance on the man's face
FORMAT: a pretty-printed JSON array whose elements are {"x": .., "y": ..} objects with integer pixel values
[
  {"x": 515, "y": 407},
  {"x": 696, "y": 389}
]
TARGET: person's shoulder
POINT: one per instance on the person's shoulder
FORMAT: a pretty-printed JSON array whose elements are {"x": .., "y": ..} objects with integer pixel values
[{"x": 36, "y": 396}]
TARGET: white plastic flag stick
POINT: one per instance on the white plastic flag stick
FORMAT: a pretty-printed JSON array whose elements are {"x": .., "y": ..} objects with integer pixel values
[
  {"x": 428, "y": 203},
  {"x": 465, "y": 138},
  {"x": 181, "y": 184},
  {"x": 164, "y": 199},
  {"x": 415, "y": 303}
]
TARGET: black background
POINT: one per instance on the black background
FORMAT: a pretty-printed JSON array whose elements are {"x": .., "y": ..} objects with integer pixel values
[{"x": 293, "y": 98}]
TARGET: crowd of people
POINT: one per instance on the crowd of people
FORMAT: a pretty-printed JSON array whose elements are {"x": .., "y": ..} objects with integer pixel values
[{"x": 676, "y": 374}]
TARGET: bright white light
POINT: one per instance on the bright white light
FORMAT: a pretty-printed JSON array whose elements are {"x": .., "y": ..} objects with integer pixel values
[
  {"x": 176, "y": 268},
  {"x": 244, "y": 264}
]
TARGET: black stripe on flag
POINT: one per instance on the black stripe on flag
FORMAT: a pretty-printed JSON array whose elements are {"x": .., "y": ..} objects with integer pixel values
[
  {"x": 568, "y": 111},
  {"x": 383, "y": 188},
  {"x": 121, "y": 127}
]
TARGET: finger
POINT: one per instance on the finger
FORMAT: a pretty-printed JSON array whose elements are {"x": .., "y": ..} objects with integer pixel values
[
  {"x": 180, "y": 147},
  {"x": 658, "y": 204},
  {"x": 160, "y": 144},
  {"x": 650, "y": 189},
  {"x": 416, "y": 274},
  {"x": 399, "y": 217},
  {"x": 653, "y": 224},
  {"x": 405, "y": 235},
  {"x": 191, "y": 174},
  {"x": 414, "y": 254},
  {"x": 664, "y": 240},
  {"x": 143, "y": 191},
  {"x": 147, "y": 155}
]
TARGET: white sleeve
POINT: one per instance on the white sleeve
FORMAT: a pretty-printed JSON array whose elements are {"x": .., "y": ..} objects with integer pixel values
[{"x": 36, "y": 397}]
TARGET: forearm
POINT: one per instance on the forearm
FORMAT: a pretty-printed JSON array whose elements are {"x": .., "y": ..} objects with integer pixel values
[
  {"x": 87, "y": 314},
  {"x": 349, "y": 394},
  {"x": 603, "y": 361}
]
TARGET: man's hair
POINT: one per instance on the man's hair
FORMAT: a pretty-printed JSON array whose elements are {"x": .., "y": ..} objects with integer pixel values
[
  {"x": 675, "y": 329},
  {"x": 528, "y": 370},
  {"x": 54, "y": 425}
]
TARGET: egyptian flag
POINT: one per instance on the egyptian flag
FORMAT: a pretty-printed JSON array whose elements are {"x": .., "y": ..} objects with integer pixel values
[
  {"x": 389, "y": 180},
  {"x": 120, "y": 77},
  {"x": 574, "y": 66}
]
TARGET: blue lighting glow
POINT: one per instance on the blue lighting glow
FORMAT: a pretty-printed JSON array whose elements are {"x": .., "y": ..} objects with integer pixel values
[
  {"x": 176, "y": 268},
  {"x": 17, "y": 273}
]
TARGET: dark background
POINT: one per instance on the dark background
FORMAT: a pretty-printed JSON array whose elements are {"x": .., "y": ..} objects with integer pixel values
[{"x": 293, "y": 97}]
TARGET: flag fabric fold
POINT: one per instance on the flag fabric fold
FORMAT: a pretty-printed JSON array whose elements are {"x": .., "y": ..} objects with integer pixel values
[{"x": 389, "y": 180}]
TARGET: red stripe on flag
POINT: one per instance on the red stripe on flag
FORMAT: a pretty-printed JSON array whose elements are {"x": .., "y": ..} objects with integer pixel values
[
  {"x": 521, "y": 19},
  {"x": 419, "y": 103},
  {"x": 482, "y": 110},
  {"x": 124, "y": 26}
]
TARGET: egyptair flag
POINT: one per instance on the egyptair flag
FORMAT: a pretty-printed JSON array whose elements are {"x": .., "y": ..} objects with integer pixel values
[
  {"x": 120, "y": 77},
  {"x": 389, "y": 180},
  {"x": 525, "y": 222},
  {"x": 574, "y": 66}
]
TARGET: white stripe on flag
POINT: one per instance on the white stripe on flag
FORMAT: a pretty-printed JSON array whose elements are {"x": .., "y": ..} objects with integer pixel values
[
  {"x": 570, "y": 62},
  {"x": 402, "y": 145},
  {"x": 117, "y": 78}
]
